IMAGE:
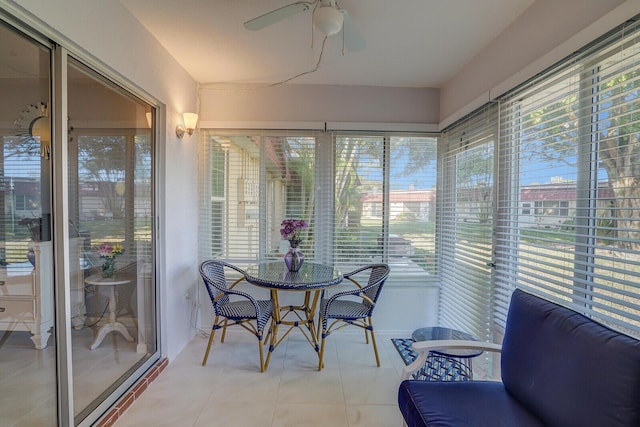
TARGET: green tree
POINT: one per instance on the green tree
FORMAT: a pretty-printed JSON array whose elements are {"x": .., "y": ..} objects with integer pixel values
[
  {"x": 557, "y": 130},
  {"x": 101, "y": 161}
]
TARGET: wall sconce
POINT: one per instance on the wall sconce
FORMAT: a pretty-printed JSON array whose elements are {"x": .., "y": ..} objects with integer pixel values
[{"x": 190, "y": 121}]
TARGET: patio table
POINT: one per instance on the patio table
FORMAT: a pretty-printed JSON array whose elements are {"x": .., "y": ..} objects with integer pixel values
[{"x": 312, "y": 279}]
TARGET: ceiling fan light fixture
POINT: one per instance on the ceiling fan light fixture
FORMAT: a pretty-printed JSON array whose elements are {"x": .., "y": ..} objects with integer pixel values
[{"x": 328, "y": 20}]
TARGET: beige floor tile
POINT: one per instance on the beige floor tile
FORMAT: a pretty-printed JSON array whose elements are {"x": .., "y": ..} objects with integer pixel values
[
  {"x": 240, "y": 385},
  {"x": 291, "y": 393},
  {"x": 374, "y": 416},
  {"x": 235, "y": 414},
  {"x": 370, "y": 386},
  {"x": 170, "y": 412},
  {"x": 230, "y": 390},
  {"x": 353, "y": 350},
  {"x": 311, "y": 387},
  {"x": 310, "y": 415}
]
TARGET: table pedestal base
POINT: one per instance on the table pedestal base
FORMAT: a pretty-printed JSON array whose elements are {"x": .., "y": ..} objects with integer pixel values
[
  {"x": 303, "y": 319},
  {"x": 111, "y": 327}
]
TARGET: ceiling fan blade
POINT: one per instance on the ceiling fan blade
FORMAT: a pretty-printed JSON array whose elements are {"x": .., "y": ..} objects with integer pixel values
[
  {"x": 353, "y": 39},
  {"x": 276, "y": 15}
]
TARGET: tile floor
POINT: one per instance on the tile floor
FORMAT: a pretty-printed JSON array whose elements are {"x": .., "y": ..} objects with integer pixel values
[
  {"x": 349, "y": 392},
  {"x": 28, "y": 376}
]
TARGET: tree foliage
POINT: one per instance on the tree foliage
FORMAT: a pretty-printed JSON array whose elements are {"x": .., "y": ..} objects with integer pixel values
[{"x": 608, "y": 122}]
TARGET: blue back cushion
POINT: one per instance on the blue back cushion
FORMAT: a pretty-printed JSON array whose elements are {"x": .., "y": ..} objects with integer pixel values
[{"x": 568, "y": 369}]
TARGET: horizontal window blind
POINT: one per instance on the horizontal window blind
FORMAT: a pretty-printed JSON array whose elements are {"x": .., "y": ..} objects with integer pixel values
[
  {"x": 360, "y": 205},
  {"x": 249, "y": 183},
  {"x": 367, "y": 198},
  {"x": 412, "y": 204},
  {"x": 466, "y": 222},
  {"x": 571, "y": 209},
  {"x": 385, "y": 201}
]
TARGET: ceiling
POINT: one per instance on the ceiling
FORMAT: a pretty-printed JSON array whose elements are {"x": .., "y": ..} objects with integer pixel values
[{"x": 409, "y": 43}]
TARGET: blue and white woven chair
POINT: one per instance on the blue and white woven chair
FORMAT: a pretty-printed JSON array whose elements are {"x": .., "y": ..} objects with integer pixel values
[
  {"x": 253, "y": 315},
  {"x": 353, "y": 307}
]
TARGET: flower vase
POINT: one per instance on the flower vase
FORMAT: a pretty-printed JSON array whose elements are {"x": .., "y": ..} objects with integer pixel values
[
  {"x": 108, "y": 267},
  {"x": 294, "y": 258}
]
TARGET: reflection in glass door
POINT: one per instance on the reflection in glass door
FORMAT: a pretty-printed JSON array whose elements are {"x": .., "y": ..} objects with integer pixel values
[
  {"x": 27, "y": 337},
  {"x": 110, "y": 212},
  {"x": 111, "y": 330}
]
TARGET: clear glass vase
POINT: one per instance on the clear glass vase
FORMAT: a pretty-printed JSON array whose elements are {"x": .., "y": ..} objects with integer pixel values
[
  {"x": 108, "y": 267},
  {"x": 294, "y": 258}
]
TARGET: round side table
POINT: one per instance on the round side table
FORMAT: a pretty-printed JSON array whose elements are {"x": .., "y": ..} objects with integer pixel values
[
  {"x": 113, "y": 325},
  {"x": 445, "y": 365}
]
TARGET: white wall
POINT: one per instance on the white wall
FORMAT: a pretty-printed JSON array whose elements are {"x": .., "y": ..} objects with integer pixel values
[
  {"x": 318, "y": 103},
  {"x": 114, "y": 37},
  {"x": 545, "y": 33}
]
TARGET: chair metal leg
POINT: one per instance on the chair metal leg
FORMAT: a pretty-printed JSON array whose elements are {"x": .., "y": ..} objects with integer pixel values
[
  {"x": 206, "y": 353},
  {"x": 269, "y": 332},
  {"x": 373, "y": 341},
  {"x": 321, "y": 355},
  {"x": 272, "y": 344},
  {"x": 261, "y": 355},
  {"x": 224, "y": 329}
]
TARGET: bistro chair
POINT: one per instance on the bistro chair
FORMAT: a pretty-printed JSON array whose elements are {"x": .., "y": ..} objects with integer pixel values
[
  {"x": 353, "y": 307},
  {"x": 253, "y": 315}
]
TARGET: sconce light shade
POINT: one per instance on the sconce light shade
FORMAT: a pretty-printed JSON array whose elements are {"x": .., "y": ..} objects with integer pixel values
[{"x": 190, "y": 122}]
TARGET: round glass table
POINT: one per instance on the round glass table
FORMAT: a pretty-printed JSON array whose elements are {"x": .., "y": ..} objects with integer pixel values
[
  {"x": 445, "y": 364},
  {"x": 438, "y": 333},
  {"x": 312, "y": 279}
]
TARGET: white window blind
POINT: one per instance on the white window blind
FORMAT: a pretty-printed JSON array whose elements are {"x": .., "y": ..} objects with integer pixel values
[
  {"x": 385, "y": 201},
  {"x": 466, "y": 222},
  {"x": 570, "y": 209},
  {"x": 367, "y": 198},
  {"x": 249, "y": 183},
  {"x": 359, "y": 199}
]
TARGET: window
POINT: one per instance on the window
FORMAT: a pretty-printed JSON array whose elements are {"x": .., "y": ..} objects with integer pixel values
[
  {"x": 572, "y": 149},
  {"x": 249, "y": 183},
  {"x": 385, "y": 201},
  {"x": 366, "y": 197},
  {"x": 110, "y": 204},
  {"x": 565, "y": 216},
  {"x": 466, "y": 222}
]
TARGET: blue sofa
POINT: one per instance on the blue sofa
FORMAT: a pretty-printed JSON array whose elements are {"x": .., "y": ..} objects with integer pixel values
[{"x": 558, "y": 367}]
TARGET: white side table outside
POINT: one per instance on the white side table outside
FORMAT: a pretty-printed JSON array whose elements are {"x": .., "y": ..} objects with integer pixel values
[{"x": 113, "y": 325}]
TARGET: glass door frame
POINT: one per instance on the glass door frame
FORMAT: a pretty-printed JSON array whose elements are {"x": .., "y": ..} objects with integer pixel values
[
  {"x": 60, "y": 52},
  {"x": 61, "y": 238}
]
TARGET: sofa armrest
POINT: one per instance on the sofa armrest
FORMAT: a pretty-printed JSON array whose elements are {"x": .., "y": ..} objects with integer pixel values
[{"x": 424, "y": 347}]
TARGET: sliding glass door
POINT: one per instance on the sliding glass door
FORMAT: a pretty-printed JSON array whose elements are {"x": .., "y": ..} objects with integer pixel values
[
  {"x": 27, "y": 333},
  {"x": 77, "y": 289},
  {"x": 110, "y": 235}
]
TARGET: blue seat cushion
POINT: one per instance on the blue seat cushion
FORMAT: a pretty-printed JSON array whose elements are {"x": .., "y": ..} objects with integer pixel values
[
  {"x": 568, "y": 369},
  {"x": 461, "y": 403}
]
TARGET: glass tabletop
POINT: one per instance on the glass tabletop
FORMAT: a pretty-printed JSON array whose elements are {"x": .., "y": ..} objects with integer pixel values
[
  {"x": 275, "y": 275},
  {"x": 439, "y": 333}
]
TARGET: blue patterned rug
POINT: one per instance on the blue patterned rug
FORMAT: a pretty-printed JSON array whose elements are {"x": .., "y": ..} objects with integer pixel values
[
  {"x": 403, "y": 345},
  {"x": 437, "y": 367}
]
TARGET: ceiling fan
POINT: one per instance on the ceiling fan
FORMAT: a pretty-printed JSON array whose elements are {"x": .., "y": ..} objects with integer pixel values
[{"x": 327, "y": 17}]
